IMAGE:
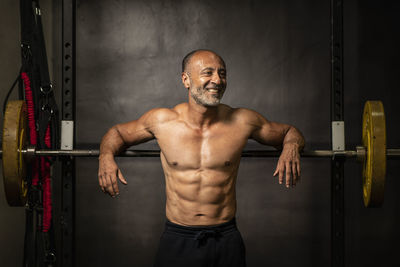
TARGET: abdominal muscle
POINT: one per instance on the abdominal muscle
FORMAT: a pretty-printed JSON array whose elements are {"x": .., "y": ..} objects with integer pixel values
[{"x": 201, "y": 196}]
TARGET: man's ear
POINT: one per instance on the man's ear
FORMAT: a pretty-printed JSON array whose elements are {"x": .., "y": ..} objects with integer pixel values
[{"x": 185, "y": 80}]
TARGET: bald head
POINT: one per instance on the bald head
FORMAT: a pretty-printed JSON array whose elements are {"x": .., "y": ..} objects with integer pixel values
[
  {"x": 187, "y": 60},
  {"x": 204, "y": 75}
]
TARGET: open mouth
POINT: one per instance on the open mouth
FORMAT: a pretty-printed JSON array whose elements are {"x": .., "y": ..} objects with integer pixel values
[{"x": 213, "y": 90}]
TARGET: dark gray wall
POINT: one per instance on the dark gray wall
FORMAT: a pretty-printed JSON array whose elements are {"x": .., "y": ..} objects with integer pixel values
[
  {"x": 277, "y": 55},
  {"x": 371, "y": 72},
  {"x": 129, "y": 55},
  {"x": 12, "y": 221}
]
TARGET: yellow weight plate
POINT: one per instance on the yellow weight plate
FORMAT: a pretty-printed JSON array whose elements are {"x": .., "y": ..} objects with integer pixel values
[
  {"x": 374, "y": 140},
  {"x": 14, "y": 140}
]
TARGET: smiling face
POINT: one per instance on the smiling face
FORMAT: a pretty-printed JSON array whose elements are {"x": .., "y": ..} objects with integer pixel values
[{"x": 205, "y": 77}]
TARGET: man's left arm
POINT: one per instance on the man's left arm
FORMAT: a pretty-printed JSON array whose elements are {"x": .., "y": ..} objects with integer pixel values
[{"x": 281, "y": 136}]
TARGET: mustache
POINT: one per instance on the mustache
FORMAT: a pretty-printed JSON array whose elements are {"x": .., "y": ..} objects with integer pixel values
[{"x": 216, "y": 87}]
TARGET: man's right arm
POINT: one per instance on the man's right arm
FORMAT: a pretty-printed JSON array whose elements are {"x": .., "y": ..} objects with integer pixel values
[{"x": 118, "y": 138}]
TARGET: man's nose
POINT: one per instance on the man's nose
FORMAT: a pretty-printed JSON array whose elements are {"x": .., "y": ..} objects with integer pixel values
[{"x": 216, "y": 78}]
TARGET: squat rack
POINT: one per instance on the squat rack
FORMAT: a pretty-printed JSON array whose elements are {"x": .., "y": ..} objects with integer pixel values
[
  {"x": 337, "y": 118},
  {"x": 65, "y": 244}
]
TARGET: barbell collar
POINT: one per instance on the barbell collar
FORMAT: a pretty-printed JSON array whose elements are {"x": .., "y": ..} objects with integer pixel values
[
  {"x": 29, "y": 152},
  {"x": 361, "y": 153}
]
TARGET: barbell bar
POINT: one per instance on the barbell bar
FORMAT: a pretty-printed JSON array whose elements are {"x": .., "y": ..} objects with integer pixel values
[
  {"x": 372, "y": 154},
  {"x": 359, "y": 153}
]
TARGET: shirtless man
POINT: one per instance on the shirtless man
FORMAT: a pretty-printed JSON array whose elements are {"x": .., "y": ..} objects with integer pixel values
[{"x": 201, "y": 143}]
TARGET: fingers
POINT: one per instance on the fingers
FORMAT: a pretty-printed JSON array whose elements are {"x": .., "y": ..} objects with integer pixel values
[
  {"x": 281, "y": 173},
  {"x": 110, "y": 187},
  {"x": 294, "y": 172},
  {"x": 290, "y": 171},
  {"x": 101, "y": 183},
  {"x": 279, "y": 170},
  {"x": 121, "y": 177},
  {"x": 108, "y": 183},
  {"x": 114, "y": 184},
  {"x": 298, "y": 169},
  {"x": 108, "y": 175}
]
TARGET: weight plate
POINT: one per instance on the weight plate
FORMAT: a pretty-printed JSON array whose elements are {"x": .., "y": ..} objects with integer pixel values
[
  {"x": 374, "y": 167},
  {"x": 14, "y": 140}
]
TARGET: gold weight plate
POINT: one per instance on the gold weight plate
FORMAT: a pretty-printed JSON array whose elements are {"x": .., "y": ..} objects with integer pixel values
[
  {"x": 14, "y": 140},
  {"x": 374, "y": 140}
]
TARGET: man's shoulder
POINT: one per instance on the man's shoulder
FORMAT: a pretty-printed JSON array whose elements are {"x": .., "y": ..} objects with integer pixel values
[
  {"x": 241, "y": 113},
  {"x": 161, "y": 115}
]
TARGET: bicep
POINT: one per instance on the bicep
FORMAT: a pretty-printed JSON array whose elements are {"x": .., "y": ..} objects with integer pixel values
[
  {"x": 136, "y": 131},
  {"x": 268, "y": 132}
]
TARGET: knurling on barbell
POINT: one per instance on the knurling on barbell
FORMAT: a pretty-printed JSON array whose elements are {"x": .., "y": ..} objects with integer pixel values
[{"x": 372, "y": 154}]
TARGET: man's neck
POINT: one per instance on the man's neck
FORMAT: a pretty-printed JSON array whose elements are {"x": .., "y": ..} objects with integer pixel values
[{"x": 201, "y": 116}]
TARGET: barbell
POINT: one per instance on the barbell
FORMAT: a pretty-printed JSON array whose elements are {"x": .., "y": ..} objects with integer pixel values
[{"x": 372, "y": 154}]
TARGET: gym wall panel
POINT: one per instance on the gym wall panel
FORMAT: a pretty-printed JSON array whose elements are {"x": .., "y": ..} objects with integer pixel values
[
  {"x": 371, "y": 53},
  {"x": 129, "y": 60}
]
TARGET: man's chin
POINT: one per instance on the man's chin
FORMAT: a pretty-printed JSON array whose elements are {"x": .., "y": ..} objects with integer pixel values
[
  {"x": 211, "y": 105},
  {"x": 202, "y": 101}
]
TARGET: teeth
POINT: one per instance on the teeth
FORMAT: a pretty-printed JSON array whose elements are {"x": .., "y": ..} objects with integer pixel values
[{"x": 213, "y": 90}]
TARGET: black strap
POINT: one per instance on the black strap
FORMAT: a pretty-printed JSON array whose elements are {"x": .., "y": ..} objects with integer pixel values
[
  {"x": 39, "y": 246},
  {"x": 27, "y": 33},
  {"x": 29, "y": 243},
  {"x": 48, "y": 110},
  {"x": 28, "y": 67},
  {"x": 31, "y": 212},
  {"x": 41, "y": 51},
  {"x": 17, "y": 80}
]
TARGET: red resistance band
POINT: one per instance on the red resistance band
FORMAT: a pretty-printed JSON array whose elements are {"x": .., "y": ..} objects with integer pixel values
[
  {"x": 44, "y": 164},
  {"x": 46, "y": 185}
]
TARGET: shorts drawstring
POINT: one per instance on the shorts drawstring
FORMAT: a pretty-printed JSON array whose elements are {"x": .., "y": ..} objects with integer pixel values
[{"x": 204, "y": 234}]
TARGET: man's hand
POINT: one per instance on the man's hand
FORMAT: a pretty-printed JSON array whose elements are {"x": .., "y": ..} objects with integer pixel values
[
  {"x": 289, "y": 164},
  {"x": 108, "y": 173}
]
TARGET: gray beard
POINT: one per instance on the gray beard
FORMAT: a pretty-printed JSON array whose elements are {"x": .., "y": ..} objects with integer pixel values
[{"x": 201, "y": 99}]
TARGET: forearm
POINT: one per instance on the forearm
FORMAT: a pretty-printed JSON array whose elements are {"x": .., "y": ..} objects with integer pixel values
[
  {"x": 112, "y": 143},
  {"x": 294, "y": 137}
]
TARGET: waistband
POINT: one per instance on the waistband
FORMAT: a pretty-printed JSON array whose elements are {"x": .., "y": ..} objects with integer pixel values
[{"x": 199, "y": 232}]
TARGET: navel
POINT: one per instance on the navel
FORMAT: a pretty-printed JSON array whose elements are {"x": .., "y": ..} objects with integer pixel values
[{"x": 228, "y": 163}]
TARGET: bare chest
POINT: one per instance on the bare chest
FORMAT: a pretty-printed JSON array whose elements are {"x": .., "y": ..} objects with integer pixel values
[{"x": 218, "y": 147}]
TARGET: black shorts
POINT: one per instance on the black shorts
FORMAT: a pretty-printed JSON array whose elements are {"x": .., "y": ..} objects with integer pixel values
[{"x": 203, "y": 246}]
